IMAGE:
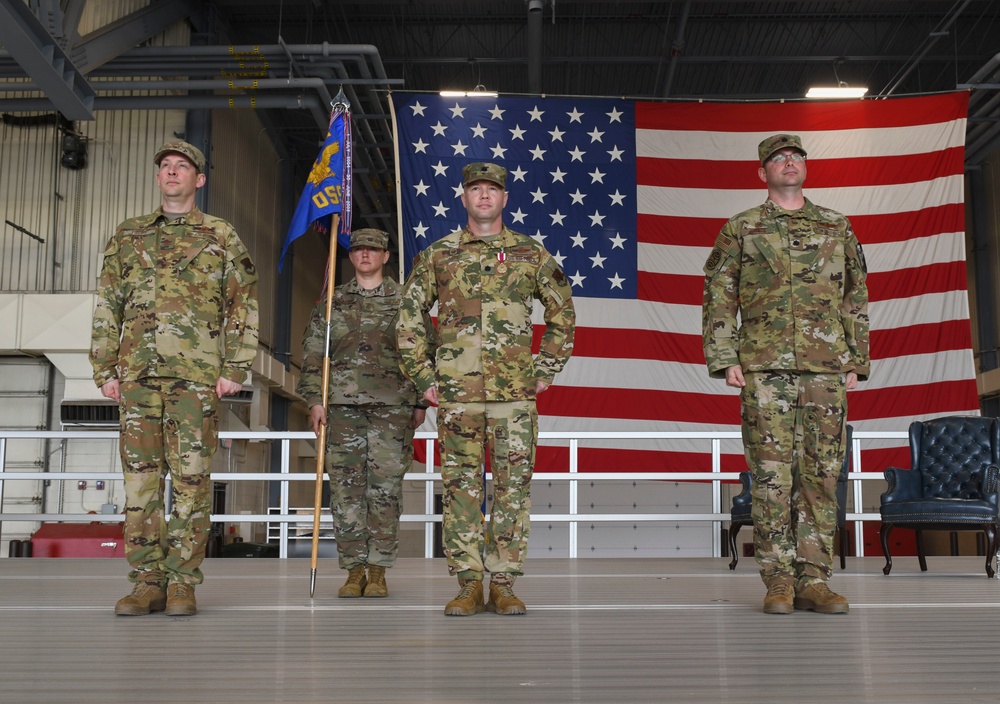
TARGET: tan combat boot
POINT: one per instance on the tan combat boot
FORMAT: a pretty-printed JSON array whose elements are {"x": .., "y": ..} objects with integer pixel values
[
  {"x": 779, "y": 599},
  {"x": 503, "y": 601},
  {"x": 355, "y": 584},
  {"x": 376, "y": 582},
  {"x": 469, "y": 600},
  {"x": 180, "y": 600},
  {"x": 143, "y": 599},
  {"x": 818, "y": 597}
]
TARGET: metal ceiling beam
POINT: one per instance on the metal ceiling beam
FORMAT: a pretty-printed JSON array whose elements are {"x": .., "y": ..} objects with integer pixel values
[
  {"x": 676, "y": 49},
  {"x": 102, "y": 45},
  {"x": 182, "y": 102},
  {"x": 534, "y": 41},
  {"x": 941, "y": 30},
  {"x": 39, "y": 56},
  {"x": 71, "y": 15},
  {"x": 686, "y": 59},
  {"x": 50, "y": 15},
  {"x": 988, "y": 72}
]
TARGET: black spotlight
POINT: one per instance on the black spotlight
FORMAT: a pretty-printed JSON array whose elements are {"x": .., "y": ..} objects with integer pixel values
[{"x": 74, "y": 151}]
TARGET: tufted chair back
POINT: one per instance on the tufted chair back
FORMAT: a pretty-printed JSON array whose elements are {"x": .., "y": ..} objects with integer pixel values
[
  {"x": 951, "y": 484},
  {"x": 952, "y": 454}
]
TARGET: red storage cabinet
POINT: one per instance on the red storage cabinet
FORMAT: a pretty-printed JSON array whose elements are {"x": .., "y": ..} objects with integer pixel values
[{"x": 78, "y": 540}]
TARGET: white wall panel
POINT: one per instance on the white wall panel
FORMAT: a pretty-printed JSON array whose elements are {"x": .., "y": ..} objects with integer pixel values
[{"x": 23, "y": 406}]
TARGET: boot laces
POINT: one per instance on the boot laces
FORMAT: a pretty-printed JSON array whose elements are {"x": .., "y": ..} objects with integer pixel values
[
  {"x": 504, "y": 591},
  {"x": 780, "y": 590},
  {"x": 182, "y": 591},
  {"x": 466, "y": 591},
  {"x": 356, "y": 575}
]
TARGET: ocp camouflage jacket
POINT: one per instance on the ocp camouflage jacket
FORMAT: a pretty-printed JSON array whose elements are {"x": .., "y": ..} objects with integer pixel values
[
  {"x": 797, "y": 279},
  {"x": 485, "y": 292},
  {"x": 364, "y": 364},
  {"x": 176, "y": 300}
]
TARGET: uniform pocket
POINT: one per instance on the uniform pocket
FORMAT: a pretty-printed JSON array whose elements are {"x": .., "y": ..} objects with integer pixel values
[
  {"x": 138, "y": 251},
  {"x": 205, "y": 255},
  {"x": 767, "y": 246}
]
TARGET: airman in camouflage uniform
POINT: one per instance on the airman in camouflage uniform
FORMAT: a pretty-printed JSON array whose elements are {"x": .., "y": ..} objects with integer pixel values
[
  {"x": 795, "y": 273},
  {"x": 371, "y": 418},
  {"x": 174, "y": 331},
  {"x": 484, "y": 279}
]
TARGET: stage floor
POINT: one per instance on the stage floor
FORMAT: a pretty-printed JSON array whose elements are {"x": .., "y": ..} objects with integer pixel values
[{"x": 597, "y": 630}]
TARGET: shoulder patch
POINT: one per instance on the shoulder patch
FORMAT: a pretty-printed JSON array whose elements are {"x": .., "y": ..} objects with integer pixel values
[
  {"x": 861, "y": 258},
  {"x": 714, "y": 258}
]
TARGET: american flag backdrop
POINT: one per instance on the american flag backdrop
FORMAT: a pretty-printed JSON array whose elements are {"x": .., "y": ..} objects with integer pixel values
[{"x": 629, "y": 197}]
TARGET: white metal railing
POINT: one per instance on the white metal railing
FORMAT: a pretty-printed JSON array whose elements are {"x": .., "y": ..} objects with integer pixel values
[{"x": 282, "y": 516}]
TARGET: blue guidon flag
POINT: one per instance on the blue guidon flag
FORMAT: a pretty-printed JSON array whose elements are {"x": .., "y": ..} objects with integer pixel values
[{"x": 328, "y": 188}]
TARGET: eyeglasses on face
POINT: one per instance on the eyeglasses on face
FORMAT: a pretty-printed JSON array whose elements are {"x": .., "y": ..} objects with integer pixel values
[{"x": 782, "y": 158}]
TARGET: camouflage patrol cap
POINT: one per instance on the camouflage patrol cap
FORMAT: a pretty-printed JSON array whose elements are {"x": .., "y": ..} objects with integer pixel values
[
  {"x": 484, "y": 172},
  {"x": 190, "y": 151},
  {"x": 776, "y": 143},
  {"x": 370, "y": 237}
]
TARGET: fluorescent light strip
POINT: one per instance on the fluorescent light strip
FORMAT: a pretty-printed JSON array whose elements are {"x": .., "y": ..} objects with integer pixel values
[
  {"x": 835, "y": 92},
  {"x": 469, "y": 94}
]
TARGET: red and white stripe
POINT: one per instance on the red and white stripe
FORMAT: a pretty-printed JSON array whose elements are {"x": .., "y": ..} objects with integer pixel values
[{"x": 894, "y": 167}]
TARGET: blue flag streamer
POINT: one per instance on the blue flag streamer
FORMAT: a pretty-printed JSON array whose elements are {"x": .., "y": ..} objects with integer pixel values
[{"x": 328, "y": 188}]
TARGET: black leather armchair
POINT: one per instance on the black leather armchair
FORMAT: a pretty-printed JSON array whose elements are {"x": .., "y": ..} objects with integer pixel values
[
  {"x": 952, "y": 483},
  {"x": 740, "y": 515}
]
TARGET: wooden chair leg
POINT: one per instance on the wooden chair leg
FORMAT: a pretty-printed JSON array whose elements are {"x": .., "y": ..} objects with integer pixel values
[
  {"x": 992, "y": 536},
  {"x": 883, "y": 537},
  {"x": 921, "y": 555},
  {"x": 734, "y": 529}
]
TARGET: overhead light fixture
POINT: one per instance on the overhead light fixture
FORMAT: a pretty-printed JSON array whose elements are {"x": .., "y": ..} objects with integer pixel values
[
  {"x": 842, "y": 91},
  {"x": 477, "y": 92}
]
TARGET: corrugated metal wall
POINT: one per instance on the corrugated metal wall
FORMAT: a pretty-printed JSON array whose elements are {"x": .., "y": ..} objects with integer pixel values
[
  {"x": 74, "y": 212},
  {"x": 244, "y": 188}
]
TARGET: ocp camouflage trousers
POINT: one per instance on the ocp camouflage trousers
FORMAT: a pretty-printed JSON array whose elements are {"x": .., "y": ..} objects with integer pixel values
[
  {"x": 369, "y": 449},
  {"x": 168, "y": 427},
  {"x": 509, "y": 432},
  {"x": 793, "y": 436}
]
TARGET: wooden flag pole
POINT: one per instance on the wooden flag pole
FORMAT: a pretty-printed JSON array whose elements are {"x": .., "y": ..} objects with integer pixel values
[{"x": 331, "y": 276}]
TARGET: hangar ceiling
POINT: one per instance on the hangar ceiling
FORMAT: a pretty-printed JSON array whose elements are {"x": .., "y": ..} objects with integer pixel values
[{"x": 286, "y": 58}]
